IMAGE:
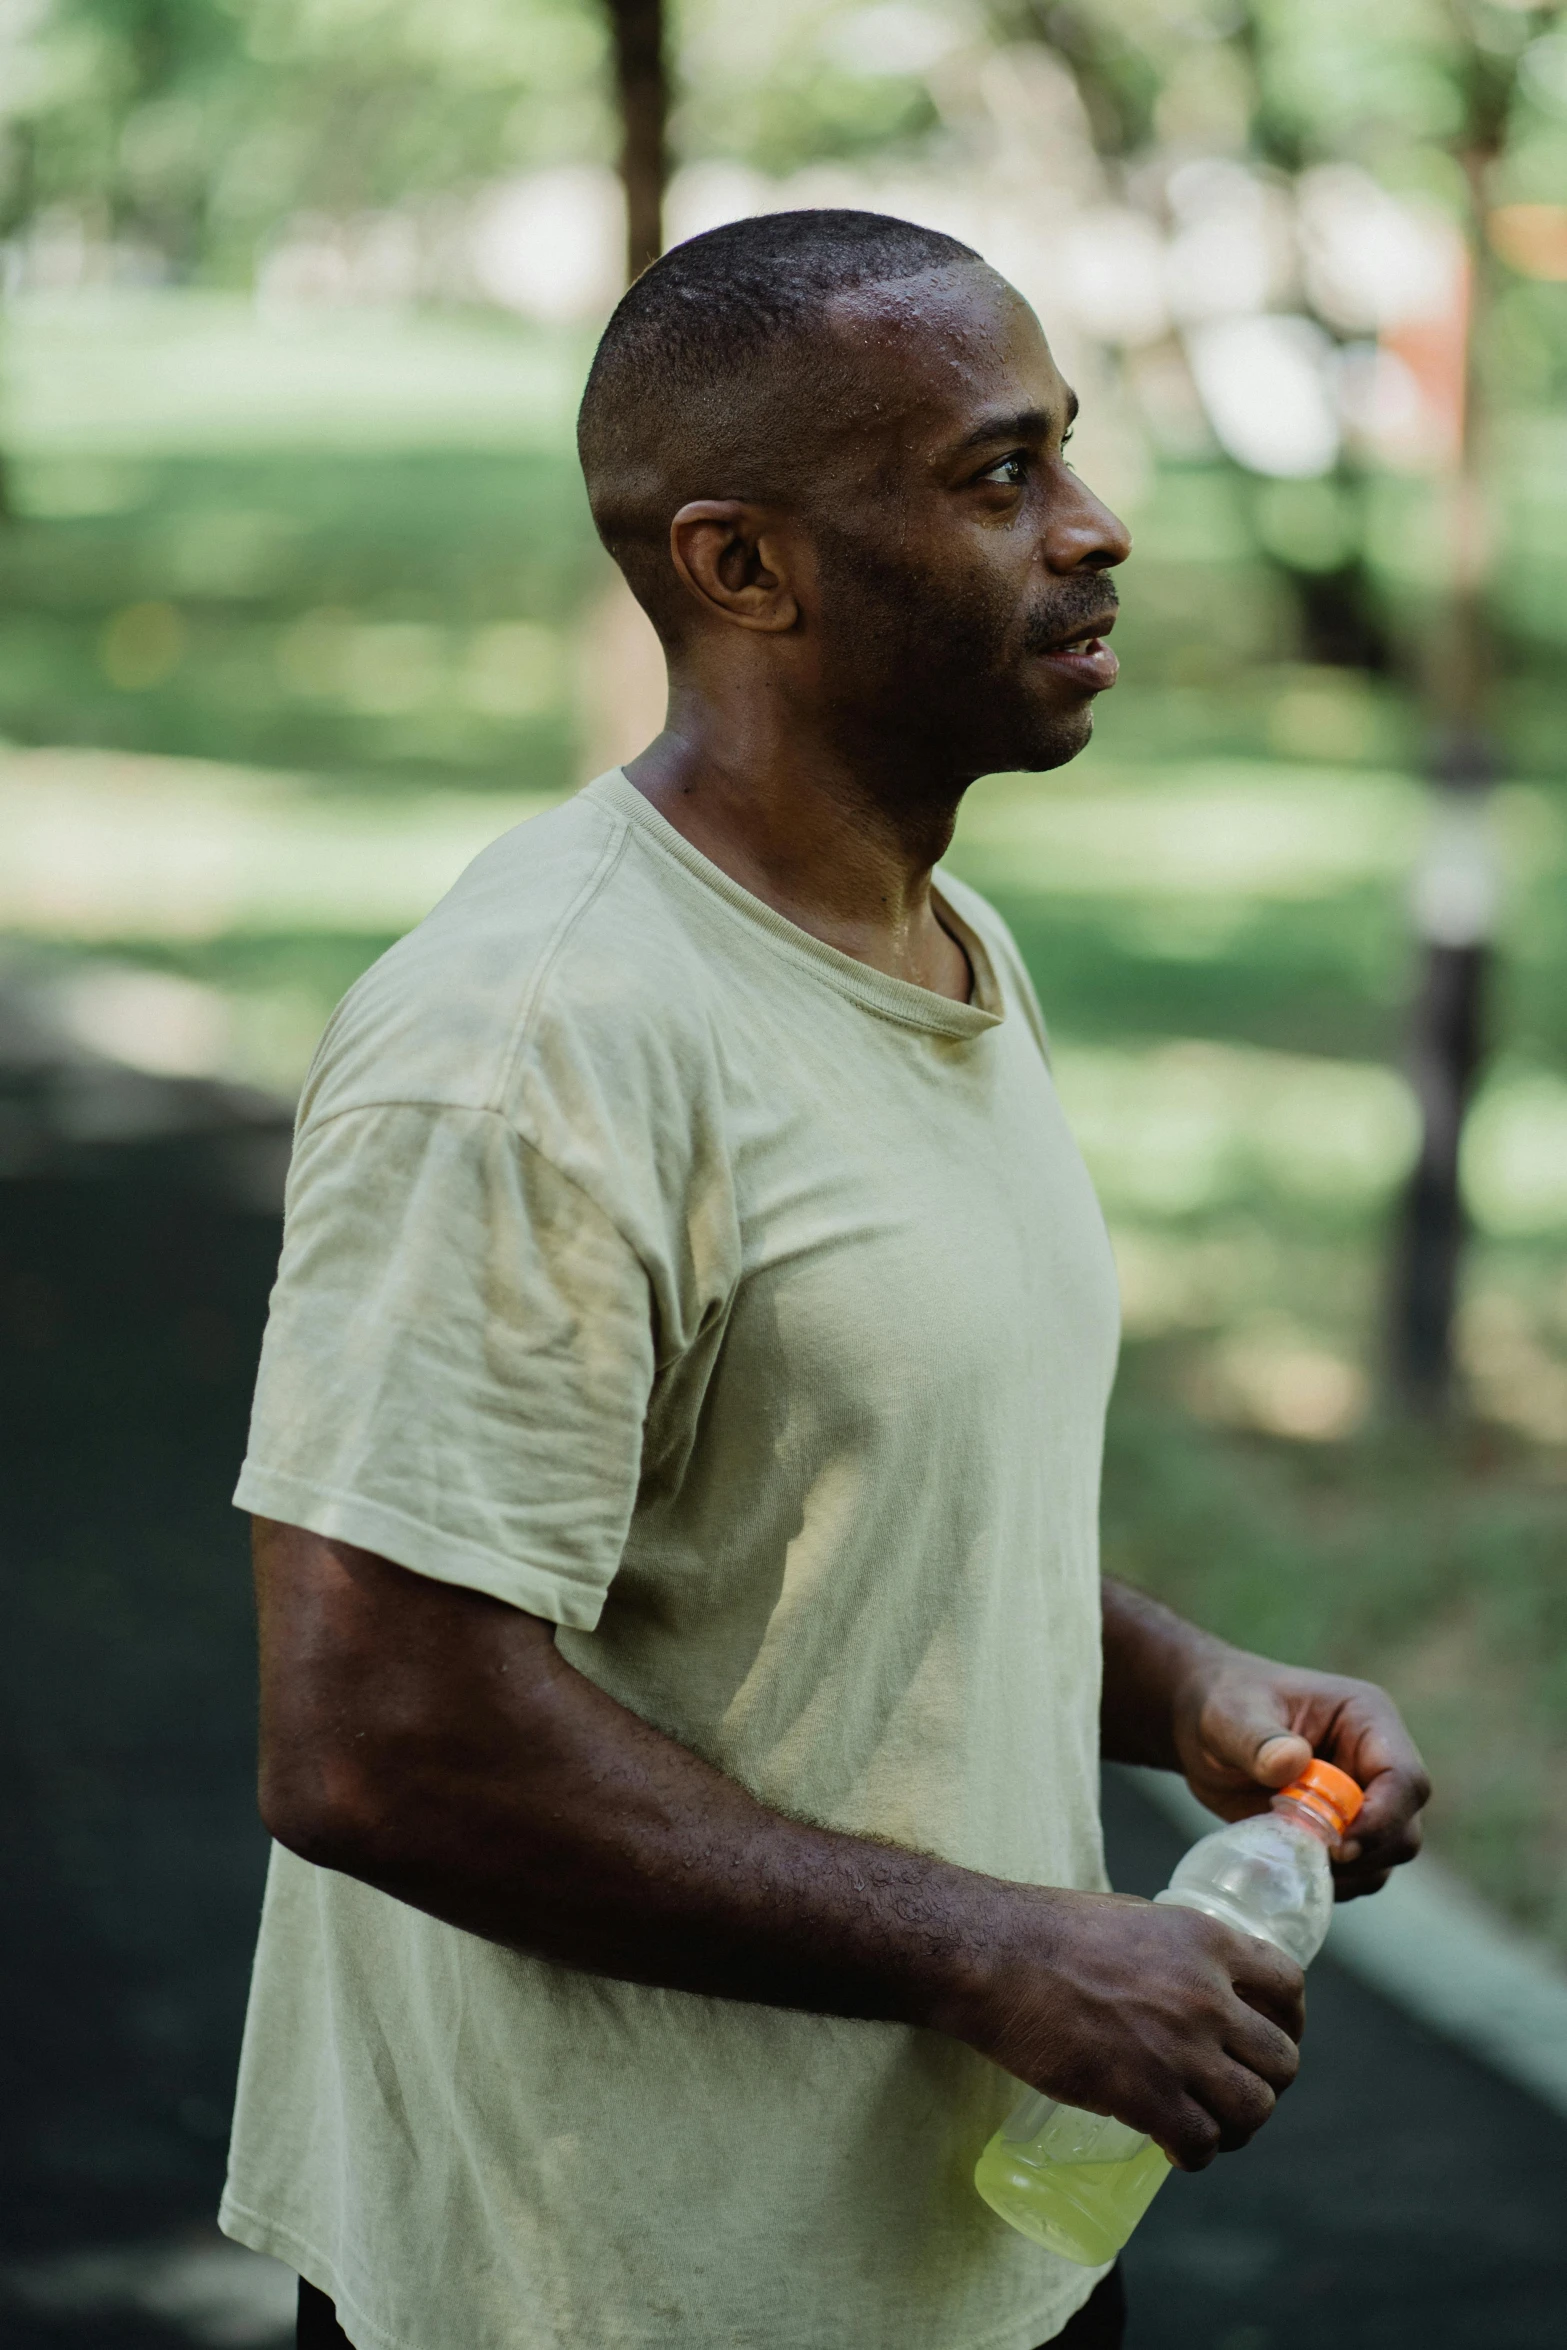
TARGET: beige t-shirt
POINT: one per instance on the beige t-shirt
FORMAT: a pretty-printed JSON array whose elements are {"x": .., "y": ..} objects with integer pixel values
[{"x": 749, "y": 1315}]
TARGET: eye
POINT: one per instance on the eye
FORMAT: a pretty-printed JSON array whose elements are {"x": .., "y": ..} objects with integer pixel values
[{"x": 1009, "y": 472}]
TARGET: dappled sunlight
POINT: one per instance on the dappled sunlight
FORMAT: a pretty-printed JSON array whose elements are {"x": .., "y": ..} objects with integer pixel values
[
  {"x": 102, "y": 844},
  {"x": 1186, "y": 1127},
  {"x": 1274, "y": 1379},
  {"x": 1226, "y": 828}
]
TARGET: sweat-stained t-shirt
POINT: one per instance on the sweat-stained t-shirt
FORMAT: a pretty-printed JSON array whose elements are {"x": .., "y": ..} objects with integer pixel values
[{"x": 747, "y": 1314}]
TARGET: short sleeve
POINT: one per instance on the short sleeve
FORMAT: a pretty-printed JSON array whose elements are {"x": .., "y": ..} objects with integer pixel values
[{"x": 458, "y": 1360}]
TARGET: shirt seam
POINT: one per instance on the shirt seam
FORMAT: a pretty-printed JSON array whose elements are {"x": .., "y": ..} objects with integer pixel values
[
  {"x": 614, "y": 849},
  {"x": 440, "y": 1109},
  {"x": 843, "y": 983},
  {"x": 1005, "y": 951}
]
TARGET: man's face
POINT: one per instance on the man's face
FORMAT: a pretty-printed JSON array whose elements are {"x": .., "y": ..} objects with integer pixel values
[{"x": 961, "y": 584}]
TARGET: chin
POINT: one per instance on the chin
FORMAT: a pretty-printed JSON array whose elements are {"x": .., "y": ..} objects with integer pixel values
[{"x": 1049, "y": 739}]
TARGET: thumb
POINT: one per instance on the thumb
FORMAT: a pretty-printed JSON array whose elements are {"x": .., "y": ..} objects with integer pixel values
[{"x": 1249, "y": 1731}]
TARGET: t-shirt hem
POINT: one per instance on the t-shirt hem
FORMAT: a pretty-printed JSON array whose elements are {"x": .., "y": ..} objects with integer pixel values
[
  {"x": 410, "y": 1542},
  {"x": 245, "y": 2225},
  {"x": 253, "y": 2229}
]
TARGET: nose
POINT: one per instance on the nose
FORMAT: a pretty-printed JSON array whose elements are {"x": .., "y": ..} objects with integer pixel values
[{"x": 1081, "y": 533}]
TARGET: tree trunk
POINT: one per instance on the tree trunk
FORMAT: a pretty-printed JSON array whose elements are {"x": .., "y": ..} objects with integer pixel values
[
  {"x": 643, "y": 87},
  {"x": 1447, "y": 1046},
  {"x": 1455, "y": 893}
]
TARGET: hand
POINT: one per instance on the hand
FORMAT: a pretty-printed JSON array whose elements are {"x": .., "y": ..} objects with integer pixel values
[
  {"x": 1161, "y": 2016},
  {"x": 1244, "y": 1727}
]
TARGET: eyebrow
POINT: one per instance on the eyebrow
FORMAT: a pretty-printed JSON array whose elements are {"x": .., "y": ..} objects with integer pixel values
[{"x": 1021, "y": 424}]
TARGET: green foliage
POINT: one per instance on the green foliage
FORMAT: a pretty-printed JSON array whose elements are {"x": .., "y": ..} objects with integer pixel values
[
  {"x": 810, "y": 113},
  {"x": 798, "y": 83},
  {"x": 1342, "y": 78},
  {"x": 1121, "y": 56},
  {"x": 196, "y": 125},
  {"x": 1399, "y": 87}
]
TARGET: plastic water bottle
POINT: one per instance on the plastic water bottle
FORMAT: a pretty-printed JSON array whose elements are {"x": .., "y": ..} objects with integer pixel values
[{"x": 1080, "y": 2182}]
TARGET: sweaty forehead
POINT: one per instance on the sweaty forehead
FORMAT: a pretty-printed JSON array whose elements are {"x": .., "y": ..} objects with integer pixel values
[{"x": 930, "y": 354}]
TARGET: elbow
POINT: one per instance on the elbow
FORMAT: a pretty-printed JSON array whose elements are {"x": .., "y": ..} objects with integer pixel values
[{"x": 319, "y": 1804}]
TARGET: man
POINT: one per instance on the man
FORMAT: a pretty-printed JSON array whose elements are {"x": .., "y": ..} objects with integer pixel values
[{"x": 677, "y": 1444}]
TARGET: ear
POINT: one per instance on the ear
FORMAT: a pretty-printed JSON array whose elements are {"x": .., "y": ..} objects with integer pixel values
[{"x": 734, "y": 562}]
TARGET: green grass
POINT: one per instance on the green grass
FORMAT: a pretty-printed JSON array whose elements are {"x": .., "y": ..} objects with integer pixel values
[{"x": 332, "y": 614}]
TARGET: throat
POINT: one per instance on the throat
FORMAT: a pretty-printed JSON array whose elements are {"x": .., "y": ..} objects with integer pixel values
[{"x": 832, "y": 859}]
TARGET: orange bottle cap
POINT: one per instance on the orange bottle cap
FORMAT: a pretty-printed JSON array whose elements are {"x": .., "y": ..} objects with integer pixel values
[{"x": 1327, "y": 1791}]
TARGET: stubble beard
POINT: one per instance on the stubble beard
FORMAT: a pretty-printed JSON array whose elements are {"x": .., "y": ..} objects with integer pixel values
[{"x": 937, "y": 677}]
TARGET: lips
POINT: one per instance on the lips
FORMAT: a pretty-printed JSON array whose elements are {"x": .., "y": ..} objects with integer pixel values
[{"x": 1085, "y": 657}]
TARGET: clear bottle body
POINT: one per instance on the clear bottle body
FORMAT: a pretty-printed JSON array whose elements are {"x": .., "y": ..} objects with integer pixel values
[{"x": 1079, "y": 2182}]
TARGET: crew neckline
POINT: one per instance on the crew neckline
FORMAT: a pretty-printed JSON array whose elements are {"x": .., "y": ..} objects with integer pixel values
[{"x": 898, "y": 999}]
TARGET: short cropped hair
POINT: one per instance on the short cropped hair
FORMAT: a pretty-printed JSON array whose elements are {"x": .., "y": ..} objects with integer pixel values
[{"x": 705, "y": 385}]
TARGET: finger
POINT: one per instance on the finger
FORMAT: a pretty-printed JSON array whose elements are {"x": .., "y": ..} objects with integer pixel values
[
  {"x": 1264, "y": 2049},
  {"x": 1389, "y": 1829},
  {"x": 1368, "y": 1739},
  {"x": 1246, "y": 1727},
  {"x": 1238, "y": 2101},
  {"x": 1191, "y": 2136},
  {"x": 1272, "y": 1984},
  {"x": 1353, "y": 1884}
]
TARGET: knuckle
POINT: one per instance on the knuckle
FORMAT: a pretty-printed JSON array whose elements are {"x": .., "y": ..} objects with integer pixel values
[
  {"x": 1250, "y": 2100},
  {"x": 1245, "y": 2111},
  {"x": 1198, "y": 2143},
  {"x": 1277, "y": 2060}
]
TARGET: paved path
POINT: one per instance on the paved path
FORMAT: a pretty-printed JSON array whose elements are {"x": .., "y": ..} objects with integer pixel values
[{"x": 1404, "y": 2198}]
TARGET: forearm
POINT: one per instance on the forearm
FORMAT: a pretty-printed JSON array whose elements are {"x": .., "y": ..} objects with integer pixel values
[
  {"x": 434, "y": 1743},
  {"x": 597, "y": 1842},
  {"x": 1150, "y": 1656},
  {"x": 521, "y": 1803}
]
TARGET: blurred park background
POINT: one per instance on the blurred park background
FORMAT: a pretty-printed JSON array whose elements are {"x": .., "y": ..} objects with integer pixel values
[{"x": 300, "y": 605}]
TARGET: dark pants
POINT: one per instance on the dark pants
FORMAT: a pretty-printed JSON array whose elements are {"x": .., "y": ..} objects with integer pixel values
[
  {"x": 1097, "y": 2325},
  {"x": 1100, "y": 2323}
]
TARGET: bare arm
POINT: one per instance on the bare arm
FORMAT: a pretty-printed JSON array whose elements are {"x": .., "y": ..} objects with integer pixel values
[
  {"x": 434, "y": 1743},
  {"x": 1239, "y": 1725}
]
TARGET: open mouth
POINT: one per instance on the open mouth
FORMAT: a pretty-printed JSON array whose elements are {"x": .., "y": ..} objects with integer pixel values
[{"x": 1086, "y": 658}]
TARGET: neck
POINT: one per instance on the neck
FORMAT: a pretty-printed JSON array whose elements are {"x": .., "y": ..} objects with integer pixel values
[{"x": 837, "y": 843}]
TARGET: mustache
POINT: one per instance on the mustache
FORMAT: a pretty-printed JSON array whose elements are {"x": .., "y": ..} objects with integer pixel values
[{"x": 1077, "y": 607}]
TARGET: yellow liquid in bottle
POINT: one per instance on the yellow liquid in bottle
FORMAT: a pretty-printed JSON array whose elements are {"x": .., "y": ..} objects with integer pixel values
[{"x": 1078, "y": 2184}]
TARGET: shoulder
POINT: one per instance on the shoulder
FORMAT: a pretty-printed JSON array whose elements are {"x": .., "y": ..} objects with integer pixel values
[{"x": 554, "y": 940}]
